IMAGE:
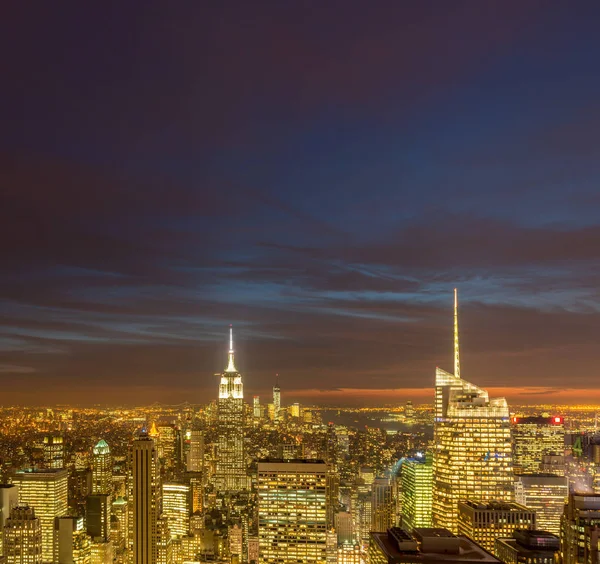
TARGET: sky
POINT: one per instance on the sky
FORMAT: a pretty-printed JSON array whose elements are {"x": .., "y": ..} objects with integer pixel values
[{"x": 321, "y": 176}]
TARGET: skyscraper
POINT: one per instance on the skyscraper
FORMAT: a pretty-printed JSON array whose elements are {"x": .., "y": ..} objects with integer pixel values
[
  {"x": 146, "y": 500},
  {"x": 472, "y": 457},
  {"x": 101, "y": 469},
  {"x": 72, "y": 543},
  {"x": 45, "y": 491},
  {"x": 176, "y": 500},
  {"x": 276, "y": 400},
  {"x": 292, "y": 511},
  {"x": 231, "y": 459},
  {"x": 22, "y": 537},
  {"x": 417, "y": 483},
  {"x": 195, "y": 455},
  {"x": 536, "y": 437},
  {"x": 382, "y": 510},
  {"x": 580, "y": 529}
]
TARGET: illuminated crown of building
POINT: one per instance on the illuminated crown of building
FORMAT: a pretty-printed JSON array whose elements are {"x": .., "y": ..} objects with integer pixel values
[
  {"x": 231, "y": 380},
  {"x": 101, "y": 447},
  {"x": 231, "y": 365}
]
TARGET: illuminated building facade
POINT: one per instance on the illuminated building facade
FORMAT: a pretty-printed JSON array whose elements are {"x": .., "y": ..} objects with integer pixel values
[
  {"x": 145, "y": 500},
  {"x": 533, "y": 438},
  {"x": 9, "y": 498},
  {"x": 22, "y": 536},
  {"x": 176, "y": 503},
  {"x": 292, "y": 511},
  {"x": 195, "y": 455},
  {"x": 231, "y": 472},
  {"x": 73, "y": 544},
  {"x": 417, "y": 484},
  {"x": 54, "y": 451},
  {"x": 382, "y": 505},
  {"x": 276, "y": 400},
  {"x": 580, "y": 529},
  {"x": 101, "y": 469},
  {"x": 256, "y": 407},
  {"x": 45, "y": 491},
  {"x": 97, "y": 510},
  {"x": 472, "y": 456},
  {"x": 546, "y": 494},
  {"x": 485, "y": 522}
]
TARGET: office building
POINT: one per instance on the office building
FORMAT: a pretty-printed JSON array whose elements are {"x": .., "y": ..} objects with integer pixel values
[
  {"x": 472, "y": 456},
  {"x": 176, "y": 503},
  {"x": 343, "y": 527},
  {"x": 348, "y": 553},
  {"x": 256, "y": 407},
  {"x": 580, "y": 529},
  {"x": 195, "y": 455},
  {"x": 382, "y": 505},
  {"x": 45, "y": 491},
  {"x": 417, "y": 484},
  {"x": 101, "y": 468},
  {"x": 22, "y": 534},
  {"x": 231, "y": 474},
  {"x": 73, "y": 545},
  {"x": 426, "y": 545},
  {"x": 101, "y": 552},
  {"x": 97, "y": 513},
  {"x": 536, "y": 437},
  {"x": 484, "y": 522},
  {"x": 546, "y": 494},
  {"x": 528, "y": 547},
  {"x": 9, "y": 498},
  {"x": 145, "y": 500},
  {"x": 54, "y": 451},
  {"x": 276, "y": 400},
  {"x": 292, "y": 511}
]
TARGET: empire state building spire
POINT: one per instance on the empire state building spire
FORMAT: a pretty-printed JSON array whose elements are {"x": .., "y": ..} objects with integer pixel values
[
  {"x": 231, "y": 366},
  {"x": 456, "y": 349}
]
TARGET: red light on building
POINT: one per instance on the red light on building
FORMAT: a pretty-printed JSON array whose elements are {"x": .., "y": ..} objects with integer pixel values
[
  {"x": 557, "y": 419},
  {"x": 515, "y": 419}
]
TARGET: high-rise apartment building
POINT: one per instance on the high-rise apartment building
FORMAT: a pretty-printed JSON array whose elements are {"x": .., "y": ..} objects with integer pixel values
[
  {"x": 176, "y": 504},
  {"x": 472, "y": 456},
  {"x": 580, "y": 529},
  {"x": 22, "y": 533},
  {"x": 9, "y": 498},
  {"x": 533, "y": 438},
  {"x": 292, "y": 511},
  {"x": 276, "y": 400},
  {"x": 46, "y": 491},
  {"x": 101, "y": 468},
  {"x": 546, "y": 494},
  {"x": 417, "y": 485},
  {"x": 145, "y": 500},
  {"x": 54, "y": 451},
  {"x": 231, "y": 473},
  {"x": 485, "y": 522}
]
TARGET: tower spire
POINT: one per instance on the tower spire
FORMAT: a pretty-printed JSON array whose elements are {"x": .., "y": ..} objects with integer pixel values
[
  {"x": 456, "y": 349},
  {"x": 231, "y": 366}
]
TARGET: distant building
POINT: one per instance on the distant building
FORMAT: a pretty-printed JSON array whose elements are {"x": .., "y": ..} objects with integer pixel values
[
  {"x": 45, "y": 491},
  {"x": 195, "y": 455},
  {"x": 485, "y": 522},
  {"x": 54, "y": 451},
  {"x": 433, "y": 545},
  {"x": 530, "y": 547},
  {"x": 472, "y": 457},
  {"x": 382, "y": 506},
  {"x": 417, "y": 484},
  {"x": 580, "y": 529},
  {"x": 276, "y": 400},
  {"x": 22, "y": 536},
  {"x": 292, "y": 511},
  {"x": 546, "y": 494},
  {"x": 9, "y": 498},
  {"x": 536, "y": 437}
]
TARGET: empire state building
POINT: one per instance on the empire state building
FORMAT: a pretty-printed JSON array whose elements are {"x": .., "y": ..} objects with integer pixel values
[{"x": 231, "y": 472}]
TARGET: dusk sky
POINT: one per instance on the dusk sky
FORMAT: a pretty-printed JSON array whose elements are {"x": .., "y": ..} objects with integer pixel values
[{"x": 319, "y": 174}]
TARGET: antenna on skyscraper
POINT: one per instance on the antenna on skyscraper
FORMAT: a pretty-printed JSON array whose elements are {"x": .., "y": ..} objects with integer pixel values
[{"x": 456, "y": 349}]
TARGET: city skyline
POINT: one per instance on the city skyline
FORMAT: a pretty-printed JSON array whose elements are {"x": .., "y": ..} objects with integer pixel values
[{"x": 321, "y": 179}]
